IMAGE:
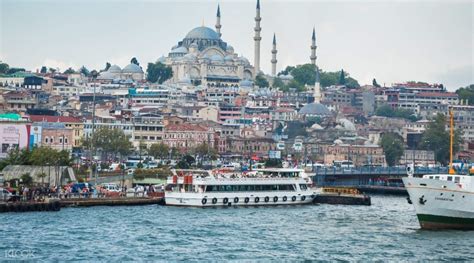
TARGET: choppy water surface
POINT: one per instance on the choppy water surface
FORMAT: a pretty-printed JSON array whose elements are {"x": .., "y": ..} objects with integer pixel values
[{"x": 388, "y": 230}]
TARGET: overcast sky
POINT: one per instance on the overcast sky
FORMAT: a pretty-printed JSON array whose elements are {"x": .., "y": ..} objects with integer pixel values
[{"x": 392, "y": 41}]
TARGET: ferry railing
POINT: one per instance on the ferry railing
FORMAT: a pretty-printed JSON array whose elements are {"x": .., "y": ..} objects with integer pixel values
[{"x": 395, "y": 171}]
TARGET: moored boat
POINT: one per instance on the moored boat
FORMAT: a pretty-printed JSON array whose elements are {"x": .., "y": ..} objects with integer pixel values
[
  {"x": 276, "y": 186},
  {"x": 442, "y": 201}
]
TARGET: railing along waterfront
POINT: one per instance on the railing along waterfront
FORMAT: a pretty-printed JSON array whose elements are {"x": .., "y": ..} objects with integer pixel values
[{"x": 395, "y": 171}]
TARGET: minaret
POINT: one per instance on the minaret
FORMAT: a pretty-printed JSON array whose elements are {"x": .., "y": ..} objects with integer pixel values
[
  {"x": 313, "y": 48},
  {"x": 257, "y": 39},
  {"x": 317, "y": 88},
  {"x": 274, "y": 56},
  {"x": 218, "y": 21}
]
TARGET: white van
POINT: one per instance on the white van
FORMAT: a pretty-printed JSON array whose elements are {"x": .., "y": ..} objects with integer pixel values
[{"x": 110, "y": 187}]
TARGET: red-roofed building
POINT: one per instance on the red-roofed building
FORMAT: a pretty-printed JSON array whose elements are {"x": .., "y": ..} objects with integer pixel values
[{"x": 72, "y": 123}]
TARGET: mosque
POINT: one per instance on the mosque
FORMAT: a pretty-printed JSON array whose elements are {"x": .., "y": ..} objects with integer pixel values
[{"x": 204, "y": 58}]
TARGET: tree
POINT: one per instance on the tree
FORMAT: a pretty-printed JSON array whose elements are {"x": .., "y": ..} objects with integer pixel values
[
  {"x": 436, "y": 138},
  {"x": 159, "y": 150},
  {"x": 158, "y": 72},
  {"x": 261, "y": 81},
  {"x": 295, "y": 85},
  {"x": 4, "y": 68},
  {"x": 392, "y": 146},
  {"x": 26, "y": 179},
  {"x": 205, "y": 149},
  {"x": 278, "y": 83},
  {"x": 15, "y": 70},
  {"x": 69, "y": 71},
  {"x": 466, "y": 93},
  {"x": 83, "y": 70},
  {"x": 342, "y": 78},
  {"x": 286, "y": 71},
  {"x": 387, "y": 111},
  {"x": 107, "y": 66},
  {"x": 134, "y": 61},
  {"x": 374, "y": 83},
  {"x": 52, "y": 70},
  {"x": 110, "y": 141},
  {"x": 44, "y": 70},
  {"x": 304, "y": 74}
]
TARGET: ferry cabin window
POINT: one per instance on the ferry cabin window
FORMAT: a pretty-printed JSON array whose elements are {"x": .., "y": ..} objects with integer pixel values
[
  {"x": 457, "y": 179},
  {"x": 249, "y": 188},
  {"x": 450, "y": 178},
  {"x": 303, "y": 187}
]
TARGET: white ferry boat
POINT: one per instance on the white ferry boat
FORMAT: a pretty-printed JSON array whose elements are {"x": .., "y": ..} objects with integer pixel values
[
  {"x": 442, "y": 201},
  {"x": 277, "y": 186}
]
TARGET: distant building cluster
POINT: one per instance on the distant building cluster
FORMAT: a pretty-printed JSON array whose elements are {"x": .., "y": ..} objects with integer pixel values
[{"x": 212, "y": 99}]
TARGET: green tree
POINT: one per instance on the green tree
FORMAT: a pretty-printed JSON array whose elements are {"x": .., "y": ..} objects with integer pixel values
[
  {"x": 159, "y": 150},
  {"x": 278, "y": 83},
  {"x": 15, "y": 70},
  {"x": 83, "y": 70},
  {"x": 110, "y": 141},
  {"x": 304, "y": 74},
  {"x": 26, "y": 179},
  {"x": 52, "y": 70},
  {"x": 436, "y": 138},
  {"x": 134, "y": 60},
  {"x": 387, "y": 111},
  {"x": 392, "y": 146},
  {"x": 44, "y": 70},
  {"x": 158, "y": 72},
  {"x": 295, "y": 85},
  {"x": 374, "y": 83},
  {"x": 261, "y": 81},
  {"x": 4, "y": 68},
  {"x": 107, "y": 66},
  {"x": 69, "y": 71},
  {"x": 16, "y": 157},
  {"x": 286, "y": 71},
  {"x": 466, "y": 93},
  {"x": 206, "y": 150},
  {"x": 342, "y": 78}
]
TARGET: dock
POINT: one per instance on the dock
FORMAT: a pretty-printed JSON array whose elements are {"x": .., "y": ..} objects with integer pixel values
[
  {"x": 120, "y": 201},
  {"x": 19, "y": 207}
]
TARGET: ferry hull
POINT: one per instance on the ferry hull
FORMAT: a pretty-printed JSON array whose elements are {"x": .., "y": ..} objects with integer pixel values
[
  {"x": 176, "y": 199},
  {"x": 441, "y": 204},
  {"x": 434, "y": 222}
]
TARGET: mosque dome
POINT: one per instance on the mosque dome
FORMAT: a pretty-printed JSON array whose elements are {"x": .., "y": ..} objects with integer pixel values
[
  {"x": 229, "y": 58},
  {"x": 230, "y": 49},
  {"x": 338, "y": 141},
  {"x": 346, "y": 124},
  {"x": 202, "y": 32},
  {"x": 114, "y": 69},
  {"x": 132, "y": 68},
  {"x": 315, "y": 109},
  {"x": 162, "y": 59},
  {"x": 244, "y": 60}
]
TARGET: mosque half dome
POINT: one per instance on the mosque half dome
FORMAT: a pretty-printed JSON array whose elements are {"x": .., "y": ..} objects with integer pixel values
[
  {"x": 229, "y": 58},
  {"x": 179, "y": 50},
  {"x": 217, "y": 58},
  {"x": 202, "y": 32},
  {"x": 132, "y": 68},
  {"x": 189, "y": 57},
  {"x": 114, "y": 69}
]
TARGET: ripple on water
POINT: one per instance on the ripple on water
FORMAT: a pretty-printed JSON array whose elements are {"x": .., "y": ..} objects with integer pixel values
[{"x": 386, "y": 230}]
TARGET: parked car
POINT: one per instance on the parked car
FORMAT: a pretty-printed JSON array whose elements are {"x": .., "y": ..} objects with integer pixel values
[{"x": 6, "y": 196}]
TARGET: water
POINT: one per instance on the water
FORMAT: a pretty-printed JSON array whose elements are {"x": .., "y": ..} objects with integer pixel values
[{"x": 388, "y": 230}]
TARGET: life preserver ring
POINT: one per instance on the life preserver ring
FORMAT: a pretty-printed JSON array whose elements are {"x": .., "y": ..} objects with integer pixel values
[
  {"x": 275, "y": 199},
  {"x": 204, "y": 201},
  {"x": 225, "y": 200},
  {"x": 293, "y": 198},
  {"x": 267, "y": 199},
  {"x": 303, "y": 198},
  {"x": 257, "y": 199},
  {"x": 285, "y": 198},
  {"x": 214, "y": 200},
  {"x": 236, "y": 200},
  {"x": 246, "y": 200}
]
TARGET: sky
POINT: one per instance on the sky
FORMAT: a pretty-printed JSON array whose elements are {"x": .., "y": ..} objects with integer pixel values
[{"x": 392, "y": 41}]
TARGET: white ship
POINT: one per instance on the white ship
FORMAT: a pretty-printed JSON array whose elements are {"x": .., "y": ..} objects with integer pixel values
[
  {"x": 442, "y": 201},
  {"x": 278, "y": 186}
]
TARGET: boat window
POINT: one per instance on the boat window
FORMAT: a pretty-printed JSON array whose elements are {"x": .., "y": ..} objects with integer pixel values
[
  {"x": 450, "y": 178},
  {"x": 437, "y": 177},
  {"x": 457, "y": 179},
  {"x": 431, "y": 177},
  {"x": 303, "y": 187}
]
